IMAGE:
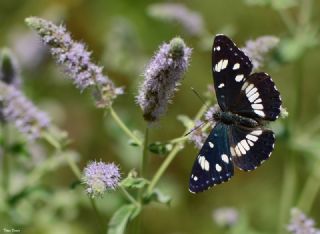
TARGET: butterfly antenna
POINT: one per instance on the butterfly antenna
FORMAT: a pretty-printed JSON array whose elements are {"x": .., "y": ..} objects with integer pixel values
[
  {"x": 195, "y": 128},
  {"x": 198, "y": 95}
]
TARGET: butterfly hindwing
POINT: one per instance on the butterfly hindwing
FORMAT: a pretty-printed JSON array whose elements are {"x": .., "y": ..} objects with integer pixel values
[
  {"x": 213, "y": 164},
  {"x": 230, "y": 68},
  {"x": 259, "y": 98},
  {"x": 250, "y": 147}
]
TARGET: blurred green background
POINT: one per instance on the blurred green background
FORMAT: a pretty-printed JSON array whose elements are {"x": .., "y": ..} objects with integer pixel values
[{"x": 123, "y": 37}]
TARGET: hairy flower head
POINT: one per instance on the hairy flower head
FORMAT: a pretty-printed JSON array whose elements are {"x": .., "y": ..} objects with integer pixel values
[
  {"x": 20, "y": 111},
  {"x": 76, "y": 60},
  {"x": 191, "y": 21},
  {"x": 162, "y": 77},
  {"x": 258, "y": 48},
  {"x": 100, "y": 177},
  {"x": 301, "y": 224}
]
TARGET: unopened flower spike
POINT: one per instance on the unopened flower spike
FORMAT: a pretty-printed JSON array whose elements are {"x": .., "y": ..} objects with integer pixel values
[
  {"x": 256, "y": 49},
  {"x": 225, "y": 216},
  {"x": 20, "y": 111},
  {"x": 162, "y": 76},
  {"x": 9, "y": 68},
  {"x": 76, "y": 60},
  {"x": 99, "y": 177}
]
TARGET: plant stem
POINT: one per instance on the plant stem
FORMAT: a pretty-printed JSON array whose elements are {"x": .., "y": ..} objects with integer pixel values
[
  {"x": 173, "y": 153},
  {"x": 144, "y": 161},
  {"x": 288, "y": 189},
  {"x": 288, "y": 21},
  {"x": 310, "y": 189},
  {"x": 101, "y": 222},
  {"x": 5, "y": 161},
  {"x": 305, "y": 12},
  {"x": 124, "y": 127},
  {"x": 75, "y": 169},
  {"x": 128, "y": 196}
]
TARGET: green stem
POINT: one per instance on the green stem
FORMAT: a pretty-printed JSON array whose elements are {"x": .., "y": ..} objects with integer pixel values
[
  {"x": 173, "y": 153},
  {"x": 164, "y": 166},
  {"x": 144, "y": 161},
  {"x": 124, "y": 127},
  {"x": 5, "y": 161},
  {"x": 100, "y": 219},
  {"x": 288, "y": 189},
  {"x": 288, "y": 21},
  {"x": 75, "y": 169},
  {"x": 128, "y": 196},
  {"x": 310, "y": 189},
  {"x": 305, "y": 12}
]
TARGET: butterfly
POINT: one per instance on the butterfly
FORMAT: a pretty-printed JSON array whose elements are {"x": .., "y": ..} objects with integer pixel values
[{"x": 239, "y": 138}]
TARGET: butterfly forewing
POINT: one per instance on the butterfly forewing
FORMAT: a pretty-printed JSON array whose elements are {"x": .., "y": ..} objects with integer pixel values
[
  {"x": 250, "y": 147},
  {"x": 213, "y": 164},
  {"x": 230, "y": 68},
  {"x": 259, "y": 98}
]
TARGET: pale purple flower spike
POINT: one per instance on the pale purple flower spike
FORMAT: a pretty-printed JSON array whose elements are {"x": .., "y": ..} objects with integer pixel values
[
  {"x": 301, "y": 224},
  {"x": 76, "y": 60},
  {"x": 20, "y": 111},
  {"x": 162, "y": 77},
  {"x": 100, "y": 177},
  {"x": 257, "y": 49},
  {"x": 191, "y": 21}
]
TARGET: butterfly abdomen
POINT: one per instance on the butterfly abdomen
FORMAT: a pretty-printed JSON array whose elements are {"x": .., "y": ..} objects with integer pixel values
[{"x": 230, "y": 118}]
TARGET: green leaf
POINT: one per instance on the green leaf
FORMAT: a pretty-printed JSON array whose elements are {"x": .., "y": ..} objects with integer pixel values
[
  {"x": 158, "y": 196},
  {"x": 120, "y": 218},
  {"x": 136, "y": 183},
  {"x": 160, "y": 148}
]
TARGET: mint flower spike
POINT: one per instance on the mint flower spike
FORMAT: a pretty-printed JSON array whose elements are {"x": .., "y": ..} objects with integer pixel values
[
  {"x": 301, "y": 224},
  {"x": 258, "y": 48},
  {"x": 100, "y": 177},
  {"x": 20, "y": 111},
  {"x": 76, "y": 60},
  {"x": 9, "y": 68},
  {"x": 191, "y": 21},
  {"x": 162, "y": 76}
]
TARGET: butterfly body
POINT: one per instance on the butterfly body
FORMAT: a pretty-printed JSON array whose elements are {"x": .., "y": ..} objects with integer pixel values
[{"x": 239, "y": 138}]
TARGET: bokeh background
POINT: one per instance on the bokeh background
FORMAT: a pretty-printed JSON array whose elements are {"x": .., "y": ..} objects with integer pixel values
[{"x": 123, "y": 37}]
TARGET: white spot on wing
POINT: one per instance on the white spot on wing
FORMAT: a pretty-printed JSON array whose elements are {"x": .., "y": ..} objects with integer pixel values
[
  {"x": 252, "y": 137},
  {"x": 257, "y": 132},
  {"x": 236, "y": 66},
  {"x": 257, "y": 106},
  {"x": 245, "y": 145},
  {"x": 225, "y": 158},
  {"x": 249, "y": 88},
  {"x": 253, "y": 97},
  {"x": 239, "y": 77},
  {"x": 224, "y": 64},
  {"x": 221, "y": 85},
  {"x": 211, "y": 144},
  {"x": 218, "y": 167}
]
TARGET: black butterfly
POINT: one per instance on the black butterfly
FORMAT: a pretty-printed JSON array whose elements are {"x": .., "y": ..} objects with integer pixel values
[{"x": 246, "y": 101}]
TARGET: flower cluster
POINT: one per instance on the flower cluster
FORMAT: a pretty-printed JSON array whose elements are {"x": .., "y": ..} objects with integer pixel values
[
  {"x": 256, "y": 49},
  {"x": 192, "y": 22},
  {"x": 21, "y": 112},
  {"x": 99, "y": 177},
  {"x": 9, "y": 69},
  {"x": 162, "y": 77},
  {"x": 198, "y": 136},
  {"x": 76, "y": 60},
  {"x": 301, "y": 224}
]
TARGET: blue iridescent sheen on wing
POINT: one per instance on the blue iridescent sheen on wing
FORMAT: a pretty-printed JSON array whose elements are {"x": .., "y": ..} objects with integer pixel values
[{"x": 213, "y": 164}]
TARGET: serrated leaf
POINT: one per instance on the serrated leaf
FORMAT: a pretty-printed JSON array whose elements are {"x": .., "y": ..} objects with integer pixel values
[
  {"x": 120, "y": 218},
  {"x": 136, "y": 183},
  {"x": 158, "y": 196},
  {"x": 160, "y": 148}
]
